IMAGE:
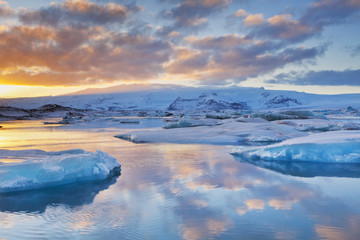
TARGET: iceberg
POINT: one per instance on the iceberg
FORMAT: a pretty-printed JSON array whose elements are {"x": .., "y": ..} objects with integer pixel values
[
  {"x": 184, "y": 123},
  {"x": 320, "y": 125},
  {"x": 230, "y": 132},
  {"x": 40, "y": 169},
  {"x": 333, "y": 147}
]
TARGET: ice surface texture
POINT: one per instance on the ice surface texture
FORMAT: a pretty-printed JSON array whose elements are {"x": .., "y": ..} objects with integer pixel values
[
  {"x": 231, "y": 132},
  {"x": 334, "y": 147},
  {"x": 44, "y": 169}
]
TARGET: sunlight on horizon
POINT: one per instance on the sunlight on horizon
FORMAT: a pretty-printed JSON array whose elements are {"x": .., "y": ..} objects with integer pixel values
[{"x": 16, "y": 91}]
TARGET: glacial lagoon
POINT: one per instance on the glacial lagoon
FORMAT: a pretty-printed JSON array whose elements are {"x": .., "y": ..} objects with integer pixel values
[{"x": 177, "y": 191}]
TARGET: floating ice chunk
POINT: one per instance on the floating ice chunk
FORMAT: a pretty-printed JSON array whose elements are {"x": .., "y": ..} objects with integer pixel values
[
  {"x": 251, "y": 120},
  {"x": 184, "y": 123},
  {"x": 320, "y": 125},
  {"x": 337, "y": 147},
  {"x": 229, "y": 132},
  {"x": 44, "y": 169}
]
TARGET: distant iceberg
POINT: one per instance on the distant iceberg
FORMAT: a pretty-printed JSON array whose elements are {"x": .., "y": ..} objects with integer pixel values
[
  {"x": 226, "y": 132},
  {"x": 334, "y": 147},
  {"x": 41, "y": 169}
]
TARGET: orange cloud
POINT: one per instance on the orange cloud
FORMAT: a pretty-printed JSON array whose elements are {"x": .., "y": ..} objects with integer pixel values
[
  {"x": 284, "y": 27},
  {"x": 254, "y": 19},
  {"x": 76, "y": 56},
  {"x": 255, "y": 204},
  {"x": 240, "y": 13}
]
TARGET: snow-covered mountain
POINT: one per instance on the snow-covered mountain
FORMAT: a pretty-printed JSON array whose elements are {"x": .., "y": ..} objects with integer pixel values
[
  {"x": 206, "y": 102},
  {"x": 172, "y": 97}
]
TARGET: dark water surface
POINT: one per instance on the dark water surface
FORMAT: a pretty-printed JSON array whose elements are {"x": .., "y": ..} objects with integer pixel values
[{"x": 171, "y": 191}]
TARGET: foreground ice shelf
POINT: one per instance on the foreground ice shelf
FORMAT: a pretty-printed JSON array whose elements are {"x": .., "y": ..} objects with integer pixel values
[
  {"x": 41, "y": 169},
  {"x": 333, "y": 147}
]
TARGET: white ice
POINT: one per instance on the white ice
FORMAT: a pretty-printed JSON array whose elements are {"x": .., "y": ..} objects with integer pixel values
[
  {"x": 334, "y": 147},
  {"x": 320, "y": 125},
  {"x": 45, "y": 169},
  {"x": 184, "y": 123},
  {"x": 230, "y": 132}
]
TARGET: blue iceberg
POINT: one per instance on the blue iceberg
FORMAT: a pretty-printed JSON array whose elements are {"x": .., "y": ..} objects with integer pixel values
[
  {"x": 329, "y": 147},
  {"x": 40, "y": 169}
]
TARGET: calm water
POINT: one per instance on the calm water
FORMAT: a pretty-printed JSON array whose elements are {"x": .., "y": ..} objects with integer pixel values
[{"x": 170, "y": 191}]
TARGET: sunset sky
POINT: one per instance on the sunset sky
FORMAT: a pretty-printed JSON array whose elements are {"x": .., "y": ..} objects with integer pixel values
[{"x": 51, "y": 48}]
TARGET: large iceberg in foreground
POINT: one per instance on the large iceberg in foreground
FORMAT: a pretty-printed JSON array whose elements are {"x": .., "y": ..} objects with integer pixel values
[
  {"x": 44, "y": 169},
  {"x": 334, "y": 147}
]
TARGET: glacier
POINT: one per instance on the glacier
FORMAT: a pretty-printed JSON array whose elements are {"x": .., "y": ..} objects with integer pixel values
[
  {"x": 328, "y": 147},
  {"x": 40, "y": 169},
  {"x": 177, "y": 98}
]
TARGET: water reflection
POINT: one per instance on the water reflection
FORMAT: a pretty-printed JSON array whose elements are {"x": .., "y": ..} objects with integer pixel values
[
  {"x": 170, "y": 191},
  {"x": 308, "y": 169},
  {"x": 71, "y": 195}
]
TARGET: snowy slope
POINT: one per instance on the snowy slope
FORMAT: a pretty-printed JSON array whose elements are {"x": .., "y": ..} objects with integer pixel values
[{"x": 187, "y": 98}]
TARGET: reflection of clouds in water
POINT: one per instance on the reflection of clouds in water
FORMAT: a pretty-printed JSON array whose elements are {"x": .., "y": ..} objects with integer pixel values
[
  {"x": 255, "y": 204},
  {"x": 6, "y": 221},
  {"x": 280, "y": 204},
  {"x": 210, "y": 227},
  {"x": 194, "y": 192},
  {"x": 328, "y": 232},
  {"x": 259, "y": 190}
]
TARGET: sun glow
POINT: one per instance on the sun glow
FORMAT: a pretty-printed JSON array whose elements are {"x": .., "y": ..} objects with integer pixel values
[
  {"x": 15, "y": 91},
  {"x": 6, "y": 90}
]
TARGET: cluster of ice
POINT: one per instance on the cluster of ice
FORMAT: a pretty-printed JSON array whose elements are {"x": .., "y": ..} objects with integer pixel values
[
  {"x": 320, "y": 125},
  {"x": 230, "y": 132},
  {"x": 41, "y": 169},
  {"x": 288, "y": 114},
  {"x": 334, "y": 147},
  {"x": 184, "y": 123}
]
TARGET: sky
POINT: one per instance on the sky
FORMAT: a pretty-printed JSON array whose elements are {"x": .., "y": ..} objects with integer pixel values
[{"x": 52, "y": 48}]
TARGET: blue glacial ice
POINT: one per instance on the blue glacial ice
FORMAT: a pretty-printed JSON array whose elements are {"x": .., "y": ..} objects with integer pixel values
[
  {"x": 331, "y": 147},
  {"x": 40, "y": 169}
]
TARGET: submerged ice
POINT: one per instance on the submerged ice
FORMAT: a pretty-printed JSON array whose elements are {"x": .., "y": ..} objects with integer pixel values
[
  {"x": 44, "y": 169},
  {"x": 334, "y": 147}
]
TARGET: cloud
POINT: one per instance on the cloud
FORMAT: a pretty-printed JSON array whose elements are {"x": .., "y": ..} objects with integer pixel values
[
  {"x": 327, "y": 12},
  {"x": 240, "y": 13},
  {"x": 318, "y": 15},
  {"x": 75, "y": 12},
  {"x": 326, "y": 78},
  {"x": 191, "y": 15},
  {"x": 76, "y": 42},
  {"x": 282, "y": 27},
  {"x": 354, "y": 50},
  {"x": 5, "y": 10},
  {"x": 221, "y": 42},
  {"x": 77, "y": 56},
  {"x": 254, "y": 19},
  {"x": 220, "y": 62}
]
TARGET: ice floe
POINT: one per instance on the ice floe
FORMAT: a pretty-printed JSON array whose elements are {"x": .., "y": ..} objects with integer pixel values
[
  {"x": 230, "y": 132},
  {"x": 40, "y": 169},
  {"x": 334, "y": 147},
  {"x": 320, "y": 125}
]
